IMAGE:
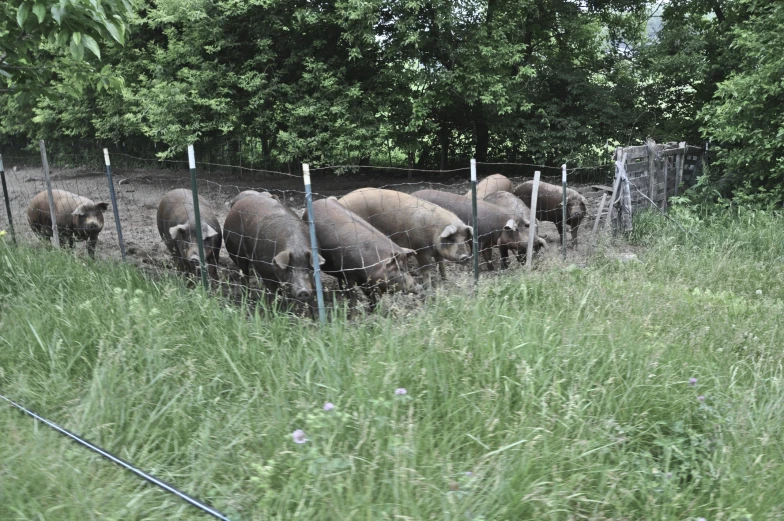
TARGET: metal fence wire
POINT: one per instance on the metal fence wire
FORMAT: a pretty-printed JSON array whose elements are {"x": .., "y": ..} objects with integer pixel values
[{"x": 312, "y": 244}]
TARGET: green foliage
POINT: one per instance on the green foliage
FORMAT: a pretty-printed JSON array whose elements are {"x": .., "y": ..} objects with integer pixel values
[
  {"x": 34, "y": 34},
  {"x": 746, "y": 116},
  {"x": 542, "y": 393}
]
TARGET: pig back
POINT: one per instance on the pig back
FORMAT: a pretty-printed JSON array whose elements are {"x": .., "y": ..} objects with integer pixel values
[
  {"x": 409, "y": 221},
  {"x": 548, "y": 201},
  {"x": 346, "y": 241},
  {"x": 258, "y": 228},
  {"x": 39, "y": 216},
  {"x": 491, "y": 184},
  {"x": 490, "y": 218},
  {"x": 510, "y": 202}
]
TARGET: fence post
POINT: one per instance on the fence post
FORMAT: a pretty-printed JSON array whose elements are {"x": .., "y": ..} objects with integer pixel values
[
  {"x": 313, "y": 243},
  {"x": 680, "y": 159},
  {"x": 474, "y": 223},
  {"x": 7, "y": 201},
  {"x": 596, "y": 222},
  {"x": 52, "y": 212},
  {"x": 532, "y": 228},
  {"x": 666, "y": 172},
  {"x": 114, "y": 202},
  {"x": 197, "y": 215},
  {"x": 563, "y": 226}
]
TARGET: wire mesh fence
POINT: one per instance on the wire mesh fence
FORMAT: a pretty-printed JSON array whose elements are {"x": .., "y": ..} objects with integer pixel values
[{"x": 382, "y": 232}]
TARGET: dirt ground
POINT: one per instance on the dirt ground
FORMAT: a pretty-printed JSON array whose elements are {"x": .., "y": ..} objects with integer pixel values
[{"x": 138, "y": 192}]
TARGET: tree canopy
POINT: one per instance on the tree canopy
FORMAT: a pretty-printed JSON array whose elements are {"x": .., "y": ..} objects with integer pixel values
[{"x": 431, "y": 81}]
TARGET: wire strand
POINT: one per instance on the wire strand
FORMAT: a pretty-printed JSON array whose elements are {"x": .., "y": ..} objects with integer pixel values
[{"x": 111, "y": 457}]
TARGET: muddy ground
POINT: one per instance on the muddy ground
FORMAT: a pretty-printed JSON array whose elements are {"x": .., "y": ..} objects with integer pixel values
[{"x": 138, "y": 192}]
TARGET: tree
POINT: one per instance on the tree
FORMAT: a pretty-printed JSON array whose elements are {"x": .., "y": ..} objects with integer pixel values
[
  {"x": 34, "y": 34},
  {"x": 746, "y": 115}
]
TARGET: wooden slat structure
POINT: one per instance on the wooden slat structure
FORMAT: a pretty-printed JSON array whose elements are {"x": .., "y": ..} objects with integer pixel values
[{"x": 661, "y": 171}]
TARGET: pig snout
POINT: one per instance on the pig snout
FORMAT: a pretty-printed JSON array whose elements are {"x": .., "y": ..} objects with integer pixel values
[{"x": 464, "y": 258}]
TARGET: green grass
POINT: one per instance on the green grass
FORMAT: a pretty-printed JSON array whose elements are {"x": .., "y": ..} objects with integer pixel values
[{"x": 564, "y": 393}]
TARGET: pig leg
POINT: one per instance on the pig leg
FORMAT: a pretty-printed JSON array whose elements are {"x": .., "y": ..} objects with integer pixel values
[
  {"x": 574, "y": 234},
  {"x": 504, "y": 256},
  {"x": 91, "y": 242},
  {"x": 487, "y": 255},
  {"x": 425, "y": 260},
  {"x": 560, "y": 227}
]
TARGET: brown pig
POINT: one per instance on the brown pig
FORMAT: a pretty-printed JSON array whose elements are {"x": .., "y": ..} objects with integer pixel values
[
  {"x": 246, "y": 193},
  {"x": 77, "y": 217},
  {"x": 549, "y": 205},
  {"x": 522, "y": 215},
  {"x": 497, "y": 226},
  {"x": 177, "y": 227},
  {"x": 490, "y": 185},
  {"x": 264, "y": 235},
  {"x": 433, "y": 232},
  {"x": 358, "y": 254}
]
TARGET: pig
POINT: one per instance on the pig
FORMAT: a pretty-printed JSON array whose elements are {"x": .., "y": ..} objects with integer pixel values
[
  {"x": 177, "y": 228},
  {"x": 549, "y": 205},
  {"x": 434, "y": 233},
  {"x": 266, "y": 236},
  {"x": 522, "y": 215},
  {"x": 246, "y": 193},
  {"x": 497, "y": 226},
  {"x": 491, "y": 184},
  {"x": 77, "y": 218},
  {"x": 358, "y": 254}
]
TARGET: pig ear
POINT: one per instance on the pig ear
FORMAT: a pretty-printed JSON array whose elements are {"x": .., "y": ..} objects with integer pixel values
[
  {"x": 175, "y": 231},
  {"x": 209, "y": 231},
  {"x": 470, "y": 230},
  {"x": 332, "y": 198},
  {"x": 102, "y": 206},
  {"x": 281, "y": 260},
  {"x": 449, "y": 230},
  {"x": 322, "y": 260},
  {"x": 510, "y": 226},
  {"x": 408, "y": 252},
  {"x": 79, "y": 210}
]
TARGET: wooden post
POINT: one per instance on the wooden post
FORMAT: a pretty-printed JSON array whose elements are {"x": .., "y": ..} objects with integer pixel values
[
  {"x": 666, "y": 168},
  {"x": 612, "y": 200},
  {"x": 651, "y": 170},
  {"x": 598, "y": 216},
  {"x": 532, "y": 228},
  {"x": 680, "y": 159},
  {"x": 410, "y": 166},
  {"x": 52, "y": 212}
]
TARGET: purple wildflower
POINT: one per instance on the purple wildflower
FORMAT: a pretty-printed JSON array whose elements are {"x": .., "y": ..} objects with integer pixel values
[
  {"x": 701, "y": 519},
  {"x": 299, "y": 436},
  {"x": 701, "y": 398},
  {"x": 692, "y": 381},
  {"x": 401, "y": 391},
  {"x": 329, "y": 406},
  {"x": 469, "y": 473}
]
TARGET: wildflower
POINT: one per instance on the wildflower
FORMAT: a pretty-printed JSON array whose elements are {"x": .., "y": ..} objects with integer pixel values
[
  {"x": 692, "y": 381},
  {"x": 299, "y": 436},
  {"x": 2, "y": 233},
  {"x": 668, "y": 475},
  {"x": 701, "y": 519},
  {"x": 329, "y": 406},
  {"x": 469, "y": 474},
  {"x": 701, "y": 398},
  {"x": 759, "y": 292},
  {"x": 401, "y": 391}
]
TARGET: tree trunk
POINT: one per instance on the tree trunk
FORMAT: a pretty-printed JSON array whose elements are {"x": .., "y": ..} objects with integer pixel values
[
  {"x": 443, "y": 140},
  {"x": 482, "y": 138}
]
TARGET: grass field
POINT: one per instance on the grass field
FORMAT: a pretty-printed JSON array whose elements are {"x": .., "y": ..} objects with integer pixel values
[{"x": 558, "y": 395}]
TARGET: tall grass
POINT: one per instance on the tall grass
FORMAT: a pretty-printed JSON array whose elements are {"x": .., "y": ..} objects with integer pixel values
[{"x": 553, "y": 395}]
